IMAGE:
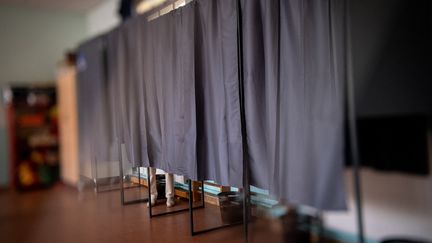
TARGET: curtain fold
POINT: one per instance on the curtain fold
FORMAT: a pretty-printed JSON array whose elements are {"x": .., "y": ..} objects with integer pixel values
[
  {"x": 219, "y": 139},
  {"x": 95, "y": 136},
  {"x": 294, "y": 100},
  {"x": 125, "y": 80},
  {"x": 168, "y": 121},
  {"x": 112, "y": 40},
  {"x": 190, "y": 105}
]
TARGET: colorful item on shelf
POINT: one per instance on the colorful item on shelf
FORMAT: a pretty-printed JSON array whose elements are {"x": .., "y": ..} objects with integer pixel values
[{"x": 33, "y": 126}]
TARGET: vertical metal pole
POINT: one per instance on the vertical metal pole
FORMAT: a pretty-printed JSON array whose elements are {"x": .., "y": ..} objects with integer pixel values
[
  {"x": 320, "y": 227},
  {"x": 139, "y": 178},
  {"x": 246, "y": 204},
  {"x": 352, "y": 125},
  {"x": 246, "y": 194},
  {"x": 96, "y": 174},
  {"x": 92, "y": 165},
  {"x": 149, "y": 192},
  {"x": 122, "y": 196},
  {"x": 202, "y": 194},
  {"x": 191, "y": 222}
]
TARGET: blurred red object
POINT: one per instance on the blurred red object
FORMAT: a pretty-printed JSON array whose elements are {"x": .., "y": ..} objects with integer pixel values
[{"x": 33, "y": 120}]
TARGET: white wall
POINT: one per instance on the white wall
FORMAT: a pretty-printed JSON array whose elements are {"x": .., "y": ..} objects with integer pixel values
[
  {"x": 394, "y": 205},
  {"x": 31, "y": 44},
  {"x": 33, "y": 41},
  {"x": 102, "y": 18}
]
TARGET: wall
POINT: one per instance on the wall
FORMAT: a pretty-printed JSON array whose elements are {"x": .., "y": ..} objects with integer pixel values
[
  {"x": 31, "y": 44},
  {"x": 102, "y": 18},
  {"x": 391, "y": 53},
  {"x": 395, "y": 204},
  {"x": 33, "y": 41}
]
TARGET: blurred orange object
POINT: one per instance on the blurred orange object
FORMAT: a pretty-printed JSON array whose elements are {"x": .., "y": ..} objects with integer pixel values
[
  {"x": 25, "y": 174},
  {"x": 33, "y": 120}
]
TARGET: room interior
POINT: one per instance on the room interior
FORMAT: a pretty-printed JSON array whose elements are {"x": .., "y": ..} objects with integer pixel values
[{"x": 67, "y": 98}]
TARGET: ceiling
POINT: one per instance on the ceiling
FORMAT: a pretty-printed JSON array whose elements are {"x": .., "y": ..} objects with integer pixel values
[{"x": 78, "y": 6}]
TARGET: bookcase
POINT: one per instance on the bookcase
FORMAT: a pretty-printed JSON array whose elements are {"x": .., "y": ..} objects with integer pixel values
[{"x": 32, "y": 119}]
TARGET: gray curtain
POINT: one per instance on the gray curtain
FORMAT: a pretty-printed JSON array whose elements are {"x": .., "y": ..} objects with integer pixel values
[
  {"x": 174, "y": 86},
  {"x": 174, "y": 100},
  {"x": 294, "y": 96},
  {"x": 125, "y": 78},
  {"x": 93, "y": 112},
  {"x": 84, "y": 119},
  {"x": 219, "y": 139},
  {"x": 190, "y": 104},
  {"x": 114, "y": 81},
  {"x": 168, "y": 122}
]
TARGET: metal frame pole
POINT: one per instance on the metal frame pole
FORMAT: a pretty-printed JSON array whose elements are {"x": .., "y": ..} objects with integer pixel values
[
  {"x": 122, "y": 197},
  {"x": 191, "y": 218},
  {"x": 172, "y": 211},
  {"x": 122, "y": 188},
  {"x": 352, "y": 126},
  {"x": 246, "y": 183},
  {"x": 191, "y": 221},
  {"x": 96, "y": 174},
  {"x": 149, "y": 193}
]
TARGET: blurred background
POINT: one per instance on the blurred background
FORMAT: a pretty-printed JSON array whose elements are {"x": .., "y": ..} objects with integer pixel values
[{"x": 43, "y": 185}]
